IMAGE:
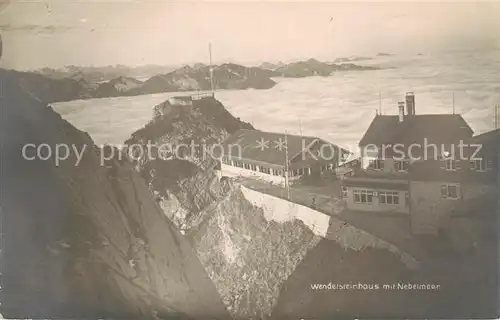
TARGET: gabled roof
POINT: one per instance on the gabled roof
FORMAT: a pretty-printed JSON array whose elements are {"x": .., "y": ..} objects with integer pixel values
[
  {"x": 490, "y": 141},
  {"x": 248, "y": 141},
  {"x": 387, "y": 130}
]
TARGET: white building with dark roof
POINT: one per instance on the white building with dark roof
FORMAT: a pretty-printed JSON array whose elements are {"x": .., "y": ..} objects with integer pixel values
[
  {"x": 412, "y": 164},
  {"x": 269, "y": 155}
]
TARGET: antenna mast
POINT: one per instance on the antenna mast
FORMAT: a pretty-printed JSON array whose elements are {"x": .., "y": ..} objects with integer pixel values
[
  {"x": 453, "y": 101},
  {"x": 286, "y": 168},
  {"x": 211, "y": 69},
  {"x": 380, "y": 103},
  {"x": 496, "y": 115}
]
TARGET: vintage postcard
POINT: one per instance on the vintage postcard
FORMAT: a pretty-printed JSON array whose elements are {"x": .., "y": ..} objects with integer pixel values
[{"x": 249, "y": 159}]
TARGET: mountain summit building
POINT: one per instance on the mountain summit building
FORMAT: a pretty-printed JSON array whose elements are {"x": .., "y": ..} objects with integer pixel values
[
  {"x": 268, "y": 155},
  {"x": 423, "y": 166}
]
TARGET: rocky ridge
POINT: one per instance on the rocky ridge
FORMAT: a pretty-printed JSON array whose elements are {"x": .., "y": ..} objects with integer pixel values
[
  {"x": 86, "y": 240},
  {"x": 313, "y": 67},
  {"x": 86, "y": 83}
]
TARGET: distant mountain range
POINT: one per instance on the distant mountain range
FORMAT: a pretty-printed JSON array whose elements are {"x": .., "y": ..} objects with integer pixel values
[
  {"x": 313, "y": 67},
  {"x": 72, "y": 83},
  {"x": 351, "y": 59},
  {"x": 104, "y": 73},
  {"x": 271, "y": 66}
]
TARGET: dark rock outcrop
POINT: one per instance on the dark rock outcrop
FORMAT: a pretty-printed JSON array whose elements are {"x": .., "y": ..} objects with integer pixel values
[
  {"x": 313, "y": 67},
  {"x": 271, "y": 66},
  {"x": 194, "y": 185},
  {"x": 48, "y": 90},
  {"x": 226, "y": 76},
  {"x": 116, "y": 87},
  {"x": 87, "y": 239}
]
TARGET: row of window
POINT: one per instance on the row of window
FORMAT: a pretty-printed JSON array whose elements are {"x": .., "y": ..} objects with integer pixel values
[
  {"x": 448, "y": 191},
  {"x": 449, "y": 164},
  {"x": 378, "y": 164},
  {"x": 476, "y": 165},
  {"x": 481, "y": 165},
  {"x": 366, "y": 196},
  {"x": 274, "y": 172}
]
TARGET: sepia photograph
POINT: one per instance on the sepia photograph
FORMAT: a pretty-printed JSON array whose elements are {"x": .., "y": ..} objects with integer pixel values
[{"x": 260, "y": 160}]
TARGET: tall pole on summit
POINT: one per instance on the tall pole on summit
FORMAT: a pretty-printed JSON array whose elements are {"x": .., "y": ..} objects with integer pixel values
[
  {"x": 287, "y": 186},
  {"x": 496, "y": 115},
  {"x": 380, "y": 103},
  {"x": 211, "y": 69},
  {"x": 453, "y": 101}
]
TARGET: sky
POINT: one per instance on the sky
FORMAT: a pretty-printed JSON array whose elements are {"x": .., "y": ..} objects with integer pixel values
[{"x": 55, "y": 33}]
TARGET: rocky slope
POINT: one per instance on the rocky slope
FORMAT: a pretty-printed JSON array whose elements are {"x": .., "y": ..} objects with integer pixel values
[
  {"x": 247, "y": 255},
  {"x": 186, "y": 184},
  {"x": 86, "y": 240},
  {"x": 49, "y": 90}
]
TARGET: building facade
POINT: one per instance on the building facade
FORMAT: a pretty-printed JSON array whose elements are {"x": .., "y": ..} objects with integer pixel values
[
  {"x": 425, "y": 163},
  {"x": 277, "y": 157},
  {"x": 373, "y": 194}
]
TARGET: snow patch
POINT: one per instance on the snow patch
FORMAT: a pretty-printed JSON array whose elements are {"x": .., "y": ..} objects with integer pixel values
[{"x": 280, "y": 210}]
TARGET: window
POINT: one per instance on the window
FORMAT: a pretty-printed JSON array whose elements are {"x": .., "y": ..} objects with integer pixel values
[
  {"x": 450, "y": 191},
  {"x": 401, "y": 165},
  {"x": 277, "y": 172},
  {"x": 253, "y": 167},
  {"x": 481, "y": 165},
  {"x": 363, "y": 196},
  {"x": 388, "y": 197},
  {"x": 265, "y": 170},
  {"x": 478, "y": 165},
  {"x": 246, "y": 166},
  {"x": 489, "y": 165},
  {"x": 343, "y": 192},
  {"x": 449, "y": 164},
  {"x": 376, "y": 164}
]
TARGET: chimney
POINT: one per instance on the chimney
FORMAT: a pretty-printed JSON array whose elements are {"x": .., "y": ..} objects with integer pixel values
[
  {"x": 410, "y": 103},
  {"x": 401, "y": 107}
]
